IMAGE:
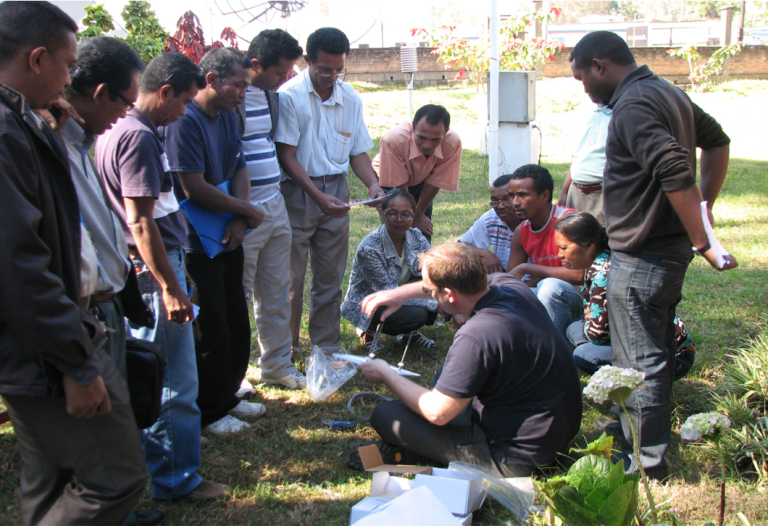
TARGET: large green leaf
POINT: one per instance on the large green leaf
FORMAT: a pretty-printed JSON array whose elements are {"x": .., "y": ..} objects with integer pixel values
[
  {"x": 590, "y": 466},
  {"x": 616, "y": 477},
  {"x": 602, "y": 447},
  {"x": 552, "y": 486},
  {"x": 617, "y": 506},
  {"x": 569, "y": 505},
  {"x": 596, "y": 499}
]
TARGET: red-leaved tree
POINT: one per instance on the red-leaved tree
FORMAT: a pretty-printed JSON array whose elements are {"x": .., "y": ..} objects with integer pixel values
[{"x": 189, "y": 38}]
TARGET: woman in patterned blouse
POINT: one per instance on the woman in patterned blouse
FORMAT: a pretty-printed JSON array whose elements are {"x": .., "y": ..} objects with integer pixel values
[
  {"x": 387, "y": 258},
  {"x": 583, "y": 244}
]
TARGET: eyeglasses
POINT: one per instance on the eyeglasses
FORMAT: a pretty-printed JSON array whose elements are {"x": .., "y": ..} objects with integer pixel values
[
  {"x": 494, "y": 203},
  {"x": 328, "y": 73},
  {"x": 425, "y": 290},
  {"x": 128, "y": 104},
  {"x": 405, "y": 216}
]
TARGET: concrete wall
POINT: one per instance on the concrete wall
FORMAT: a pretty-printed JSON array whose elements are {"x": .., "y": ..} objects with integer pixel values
[{"x": 382, "y": 65}]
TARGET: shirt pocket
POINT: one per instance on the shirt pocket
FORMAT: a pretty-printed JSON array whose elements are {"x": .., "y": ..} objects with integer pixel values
[{"x": 339, "y": 147}]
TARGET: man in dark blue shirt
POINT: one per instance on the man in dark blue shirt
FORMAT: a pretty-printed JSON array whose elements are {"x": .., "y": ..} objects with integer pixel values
[
  {"x": 507, "y": 397},
  {"x": 204, "y": 150}
]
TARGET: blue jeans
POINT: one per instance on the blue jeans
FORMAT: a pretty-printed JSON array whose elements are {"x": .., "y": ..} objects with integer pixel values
[
  {"x": 172, "y": 444},
  {"x": 562, "y": 301},
  {"x": 588, "y": 356},
  {"x": 643, "y": 292}
]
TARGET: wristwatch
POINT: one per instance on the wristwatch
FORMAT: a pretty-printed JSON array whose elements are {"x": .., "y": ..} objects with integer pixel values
[{"x": 700, "y": 251}]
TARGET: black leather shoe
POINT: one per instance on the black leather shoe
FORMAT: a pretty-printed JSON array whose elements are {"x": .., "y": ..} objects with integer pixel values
[{"x": 145, "y": 518}]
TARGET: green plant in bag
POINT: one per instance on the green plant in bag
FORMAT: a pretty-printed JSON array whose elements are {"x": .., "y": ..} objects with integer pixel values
[{"x": 594, "y": 491}]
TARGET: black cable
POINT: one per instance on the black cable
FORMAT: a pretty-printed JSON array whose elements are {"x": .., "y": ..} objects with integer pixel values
[{"x": 541, "y": 140}]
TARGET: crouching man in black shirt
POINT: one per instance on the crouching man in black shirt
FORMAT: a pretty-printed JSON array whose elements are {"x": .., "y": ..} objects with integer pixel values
[{"x": 508, "y": 395}]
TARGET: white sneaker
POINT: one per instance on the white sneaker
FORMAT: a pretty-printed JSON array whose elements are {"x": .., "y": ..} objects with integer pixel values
[
  {"x": 294, "y": 380},
  {"x": 248, "y": 409},
  {"x": 245, "y": 389},
  {"x": 417, "y": 340},
  {"x": 226, "y": 426}
]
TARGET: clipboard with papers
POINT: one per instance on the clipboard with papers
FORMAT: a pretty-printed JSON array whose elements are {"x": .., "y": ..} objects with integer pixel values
[{"x": 210, "y": 226}]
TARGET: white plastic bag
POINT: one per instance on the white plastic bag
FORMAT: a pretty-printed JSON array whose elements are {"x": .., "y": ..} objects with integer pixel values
[
  {"x": 325, "y": 374},
  {"x": 516, "y": 494}
]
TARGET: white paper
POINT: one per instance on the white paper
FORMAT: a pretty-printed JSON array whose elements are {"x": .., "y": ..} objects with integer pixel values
[
  {"x": 367, "y": 201},
  {"x": 195, "y": 312},
  {"x": 714, "y": 243},
  {"x": 357, "y": 360}
]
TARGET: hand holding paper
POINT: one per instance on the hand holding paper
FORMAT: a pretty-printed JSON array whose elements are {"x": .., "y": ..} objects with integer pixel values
[{"x": 717, "y": 256}]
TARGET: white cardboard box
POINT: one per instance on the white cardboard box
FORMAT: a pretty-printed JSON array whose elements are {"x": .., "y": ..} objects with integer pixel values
[{"x": 417, "y": 507}]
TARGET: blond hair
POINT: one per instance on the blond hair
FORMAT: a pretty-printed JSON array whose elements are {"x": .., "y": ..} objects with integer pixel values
[{"x": 454, "y": 266}]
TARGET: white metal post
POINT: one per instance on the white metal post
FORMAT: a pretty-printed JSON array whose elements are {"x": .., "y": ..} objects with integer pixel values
[{"x": 493, "y": 94}]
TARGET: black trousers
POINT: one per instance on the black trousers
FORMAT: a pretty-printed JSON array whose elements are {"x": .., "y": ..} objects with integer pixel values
[
  {"x": 407, "y": 318},
  {"x": 222, "y": 330},
  {"x": 460, "y": 440}
]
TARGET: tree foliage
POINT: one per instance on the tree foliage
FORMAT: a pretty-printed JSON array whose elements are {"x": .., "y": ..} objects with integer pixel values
[
  {"x": 515, "y": 53},
  {"x": 98, "y": 22},
  {"x": 145, "y": 34},
  {"x": 189, "y": 38},
  {"x": 703, "y": 73}
]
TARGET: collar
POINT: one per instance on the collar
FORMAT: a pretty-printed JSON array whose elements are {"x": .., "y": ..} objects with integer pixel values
[
  {"x": 143, "y": 118},
  {"x": 335, "y": 97},
  {"x": 605, "y": 110},
  {"x": 13, "y": 99},
  {"x": 414, "y": 152},
  {"x": 490, "y": 297},
  {"x": 74, "y": 134},
  {"x": 640, "y": 73},
  {"x": 388, "y": 245}
]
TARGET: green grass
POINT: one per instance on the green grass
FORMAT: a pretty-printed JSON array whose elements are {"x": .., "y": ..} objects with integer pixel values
[{"x": 288, "y": 468}]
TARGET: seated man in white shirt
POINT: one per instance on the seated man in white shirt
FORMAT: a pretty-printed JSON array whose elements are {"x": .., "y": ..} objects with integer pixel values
[{"x": 491, "y": 235}]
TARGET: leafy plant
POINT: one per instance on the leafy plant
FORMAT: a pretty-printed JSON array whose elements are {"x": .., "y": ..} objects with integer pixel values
[
  {"x": 515, "y": 53},
  {"x": 594, "y": 492},
  {"x": 145, "y": 34},
  {"x": 98, "y": 22},
  {"x": 702, "y": 74},
  {"x": 602, "y": 447},
  {"x": 189, "y": 38}
]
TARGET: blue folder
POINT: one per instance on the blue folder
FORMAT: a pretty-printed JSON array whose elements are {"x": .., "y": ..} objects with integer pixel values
[{"x": 210, "y": 226}]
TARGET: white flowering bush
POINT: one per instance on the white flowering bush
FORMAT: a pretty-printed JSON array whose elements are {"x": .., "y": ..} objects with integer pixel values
[
  {"x": 704, "y": 425},
  {"x": 613, "y": 383}
]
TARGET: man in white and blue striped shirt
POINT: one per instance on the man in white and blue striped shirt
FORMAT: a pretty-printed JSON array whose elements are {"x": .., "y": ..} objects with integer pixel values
[{"x": 266, "y": 273}]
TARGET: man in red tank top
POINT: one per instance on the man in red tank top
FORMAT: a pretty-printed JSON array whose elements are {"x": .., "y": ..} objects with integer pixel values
[{"x": 533, "y": 254}]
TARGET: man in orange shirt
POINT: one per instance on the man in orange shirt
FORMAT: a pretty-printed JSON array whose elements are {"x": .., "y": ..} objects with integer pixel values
[{"x": 422, "y": 157}]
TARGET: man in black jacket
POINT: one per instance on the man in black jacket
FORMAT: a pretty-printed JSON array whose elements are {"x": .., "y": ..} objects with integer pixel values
[
  {"x": 653, "y": 217},
  {"x": 266, "y": 272},
  {"x": 82, "y": 460}
]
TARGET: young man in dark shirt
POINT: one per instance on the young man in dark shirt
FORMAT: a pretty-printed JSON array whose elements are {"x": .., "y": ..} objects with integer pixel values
[
  {"x": 204, "y": 150},
  {"x": 508, "y": 394},
  {"x": 653, "y": 218}
]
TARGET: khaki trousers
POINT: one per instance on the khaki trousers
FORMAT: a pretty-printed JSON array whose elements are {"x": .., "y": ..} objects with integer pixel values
[
  {"x": 267, "y": 274},
  {"x": 592, "y": 203},
  {"x": 324, "y": 241}
]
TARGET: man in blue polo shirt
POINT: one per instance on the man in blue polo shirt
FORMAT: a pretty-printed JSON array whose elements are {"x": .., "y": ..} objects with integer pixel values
[{"x": 204, "y": 150}]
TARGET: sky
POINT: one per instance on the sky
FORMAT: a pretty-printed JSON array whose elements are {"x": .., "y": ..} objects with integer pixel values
[{"x": 364, "y": 21}]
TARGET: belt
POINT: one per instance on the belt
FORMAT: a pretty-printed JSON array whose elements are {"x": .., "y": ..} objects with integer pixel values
[
  {"x": 326, "y": 178},
  {"x": 588, "y": 188}
]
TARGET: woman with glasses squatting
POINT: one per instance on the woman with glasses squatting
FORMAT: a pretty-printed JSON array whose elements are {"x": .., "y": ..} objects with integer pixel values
[{"x": 385, "y": 259}]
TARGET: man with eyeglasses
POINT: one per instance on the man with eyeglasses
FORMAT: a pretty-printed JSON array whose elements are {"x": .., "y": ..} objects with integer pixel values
[
  {"x": 132, "y": 161},
  {"x": 422, "y": 157},
  {"x": 506, "y": 398},
  {"x": 78, "y": 442},
  {"x": 205, "y": 151},
  {"x": 321, "y": 133},
  {"x": 491, "y": 235},
  {"x": 267, "y": 274}
]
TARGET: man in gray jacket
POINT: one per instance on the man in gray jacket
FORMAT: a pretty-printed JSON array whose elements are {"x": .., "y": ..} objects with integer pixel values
[{"x": 82, "y": 461}]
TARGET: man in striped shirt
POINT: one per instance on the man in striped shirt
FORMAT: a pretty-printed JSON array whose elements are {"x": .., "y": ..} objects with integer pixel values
[{"x": 267, "y": 272}]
